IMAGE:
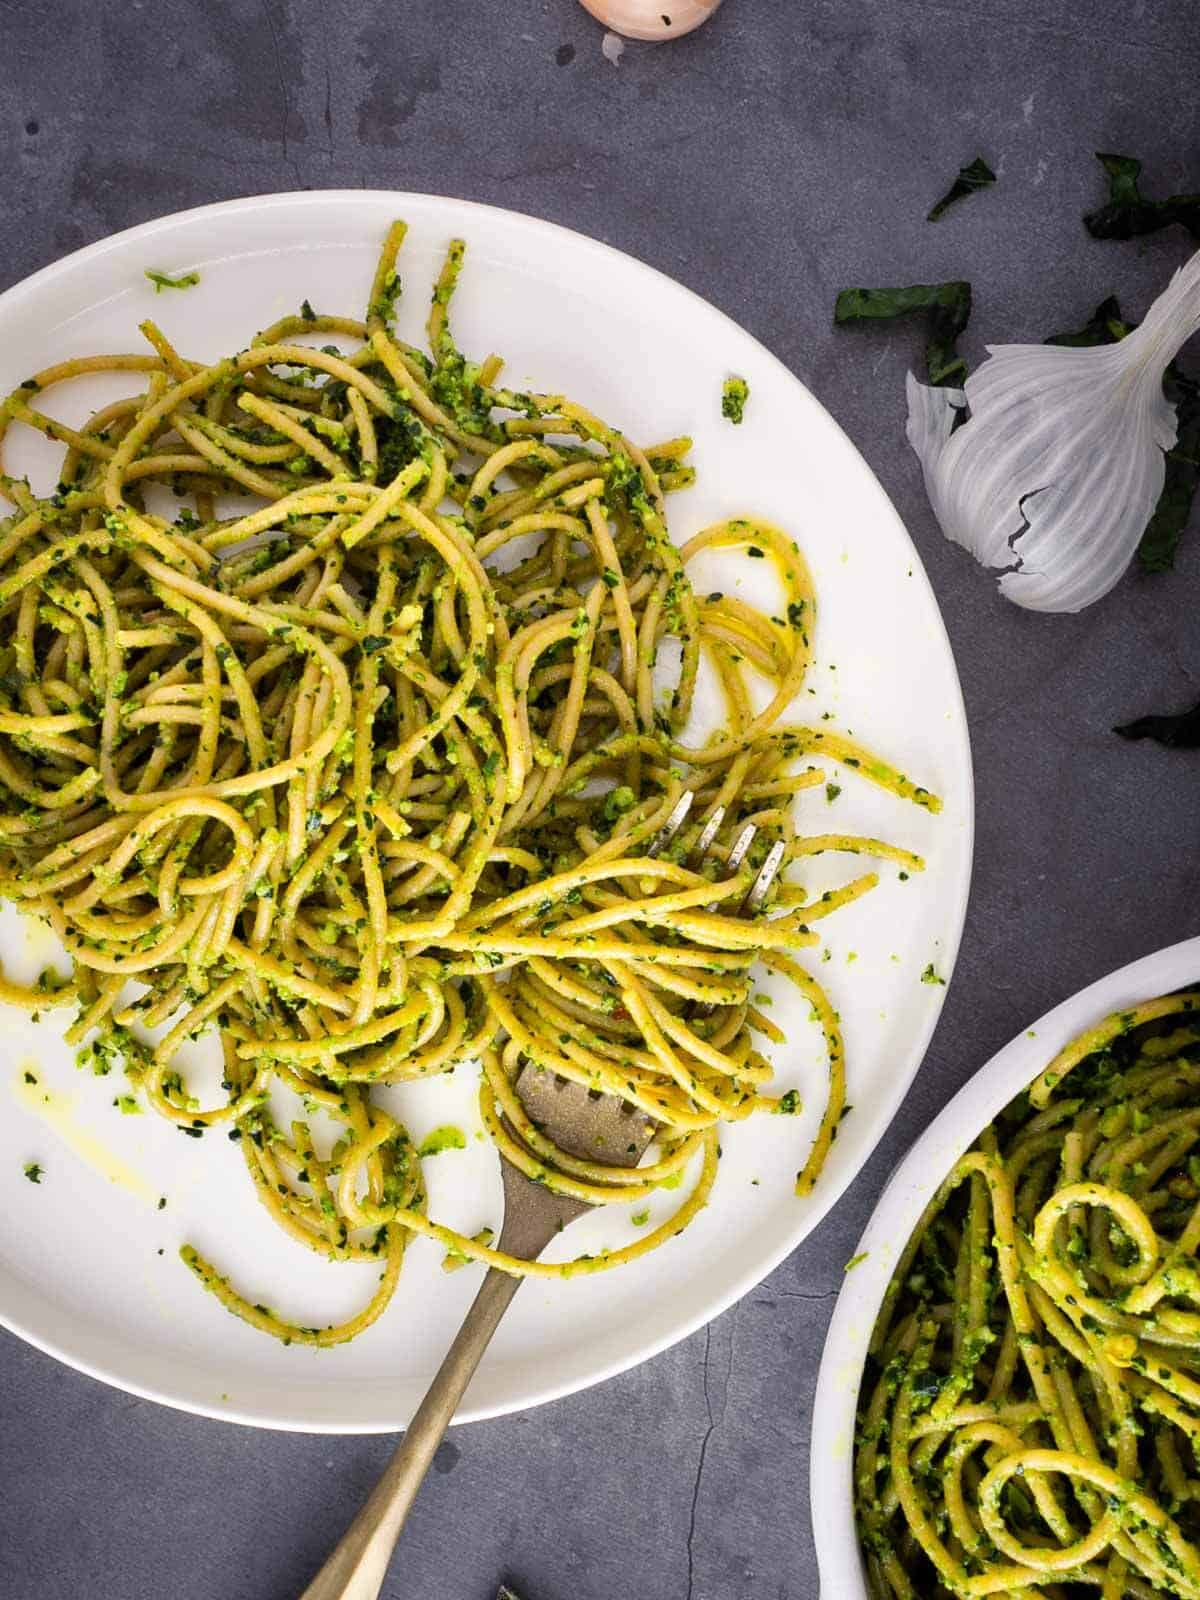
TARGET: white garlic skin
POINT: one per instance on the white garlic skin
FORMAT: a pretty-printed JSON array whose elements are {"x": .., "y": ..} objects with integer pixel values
[{"x": 643, "y": 19}]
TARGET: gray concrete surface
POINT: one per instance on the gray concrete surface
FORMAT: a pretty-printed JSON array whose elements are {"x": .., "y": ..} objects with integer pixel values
[{"x": 790, "y": 148}]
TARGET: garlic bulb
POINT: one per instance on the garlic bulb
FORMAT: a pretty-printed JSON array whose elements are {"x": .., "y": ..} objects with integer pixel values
[
  {"x": 1059, "y": 467},
  {"x": 655, "y": 20}
]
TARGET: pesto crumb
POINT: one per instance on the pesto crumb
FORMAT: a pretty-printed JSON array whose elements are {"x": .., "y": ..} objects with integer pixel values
[
  {"x": 447, "y": 1137},
  {"x": 640, "y": 1218},
  {"x": 33, "y": 1171},
  {"x": 930, "y": 976},
  {"x": 734, "y": 394},
  {"x": 854, "y": 1261}
]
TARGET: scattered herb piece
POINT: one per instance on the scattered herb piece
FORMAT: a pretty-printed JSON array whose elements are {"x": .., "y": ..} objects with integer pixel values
[
  {"x": 1163, "y": 532},
  {"x": 734, "y": 394},
  {"x": 1105, "y": 326},
  {"x": 307, "y": 312},
  {"x": 930, "y": 976},
  {"x": 447, "y": 1137},
  {"x": 978, "y": 175},
  {"x": 128, "y": 1105},
  {"x": 1127, "y": 214},
  {"x": 640, "y": 1218},
  {"x": 1180, "y": 731},
  {"x": 789, "y": 1103},
  {"x": 832, "y": 790},
  {"x": 855, "y": 1261},
  {"x": 163, "y": 280},
  {"x": 949, "y": 309},
  {"x": 33, "y": 1171}
]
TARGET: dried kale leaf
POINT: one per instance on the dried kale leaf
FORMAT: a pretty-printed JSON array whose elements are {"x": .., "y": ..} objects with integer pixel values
[
  {"x": 978, "y": 175},
  {"x": 1105, "y": 326},
  {"x": 1173, "y": 511},
  {"x": 1127, "y": 214},
  {"x": 948, "y": 306},
  {"x": 1178, "y": 731}
]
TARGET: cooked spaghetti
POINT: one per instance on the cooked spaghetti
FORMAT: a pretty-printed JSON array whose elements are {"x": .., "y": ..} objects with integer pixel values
[
  {"x": 367, "y": 777},
  {"x": 1029, "y": 1422}
]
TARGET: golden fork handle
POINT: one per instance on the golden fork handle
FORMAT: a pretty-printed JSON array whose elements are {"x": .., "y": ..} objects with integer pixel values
[{"x": 358, "y": 1566}]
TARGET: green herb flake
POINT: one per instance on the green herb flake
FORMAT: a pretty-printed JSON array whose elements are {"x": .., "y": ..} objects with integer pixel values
[
  {"x": 930, "y": 976},
  {"x": 1127, "y": 214},
  {"x": 856, "y": 1261},
  {"x": 1177, "y": 731},
  {"x": 977, "y": 175},
  {"x": 33, "y": 1171},
  {"x": 948, "y": 306}
]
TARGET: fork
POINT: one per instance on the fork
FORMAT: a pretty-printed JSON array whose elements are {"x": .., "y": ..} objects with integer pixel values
[
  {"x": 583, "y": 1122},
  {"x": 705, "y": 848}
]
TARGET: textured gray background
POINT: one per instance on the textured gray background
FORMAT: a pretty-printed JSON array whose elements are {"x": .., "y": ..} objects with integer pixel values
[{"x": 790, "y": 148}]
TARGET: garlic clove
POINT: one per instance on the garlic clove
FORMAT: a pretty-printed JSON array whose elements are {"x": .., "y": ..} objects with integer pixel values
[
  {"x": 1059, "y": 466},
  {"x": 655, "y": 20}
]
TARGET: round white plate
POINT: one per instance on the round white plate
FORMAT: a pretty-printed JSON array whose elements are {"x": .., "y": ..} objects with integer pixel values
[
  {"x": 976, "y": 1104},
  {"x": 88, "y": 1265}
]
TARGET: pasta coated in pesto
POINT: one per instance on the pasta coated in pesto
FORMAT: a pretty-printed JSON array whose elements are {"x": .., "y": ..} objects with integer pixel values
[
  {"x": 1029, "y": 1420},
  {"x": 365, "y": 776}
]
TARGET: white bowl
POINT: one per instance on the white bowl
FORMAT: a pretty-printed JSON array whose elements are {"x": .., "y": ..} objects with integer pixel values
[
  {"x": 976, "y": 1104},
  {"x": 80, "y": 1270}
]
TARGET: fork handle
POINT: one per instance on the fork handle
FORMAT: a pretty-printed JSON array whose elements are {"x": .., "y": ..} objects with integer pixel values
[{"x": 358, "y": 1566}]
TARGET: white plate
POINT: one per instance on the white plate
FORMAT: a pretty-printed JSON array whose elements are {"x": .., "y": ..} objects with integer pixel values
[
  {"x": 81, "y": 1272},
  {"x": 976, "y": 1104}
]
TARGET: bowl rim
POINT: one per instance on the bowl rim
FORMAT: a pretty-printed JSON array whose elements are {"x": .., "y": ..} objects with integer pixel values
[{"x": 896, "y": 1213}]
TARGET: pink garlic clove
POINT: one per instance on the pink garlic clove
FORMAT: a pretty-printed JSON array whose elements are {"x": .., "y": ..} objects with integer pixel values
[{"x": 654, "y": 20}]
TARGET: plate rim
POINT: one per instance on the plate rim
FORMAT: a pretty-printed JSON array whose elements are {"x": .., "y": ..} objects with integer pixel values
[
  {"x": 822, "y": 1202},
  {"x": 986, "y": 1092}
]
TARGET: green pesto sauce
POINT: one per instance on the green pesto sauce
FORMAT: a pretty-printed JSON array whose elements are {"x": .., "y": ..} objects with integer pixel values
[
  {"x": 734, "y": 394},
  {"x": 447, "y": 1137}
]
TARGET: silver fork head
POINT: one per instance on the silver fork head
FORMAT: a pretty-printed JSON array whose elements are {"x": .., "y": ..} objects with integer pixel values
[
  {"x": 673, "y": 823},
  {"x": 767, "y": 874},
  {"x": 703, "y": 846},
  {"x": 741, "y": 847},
  {"x": 584, "y": 1122}
]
